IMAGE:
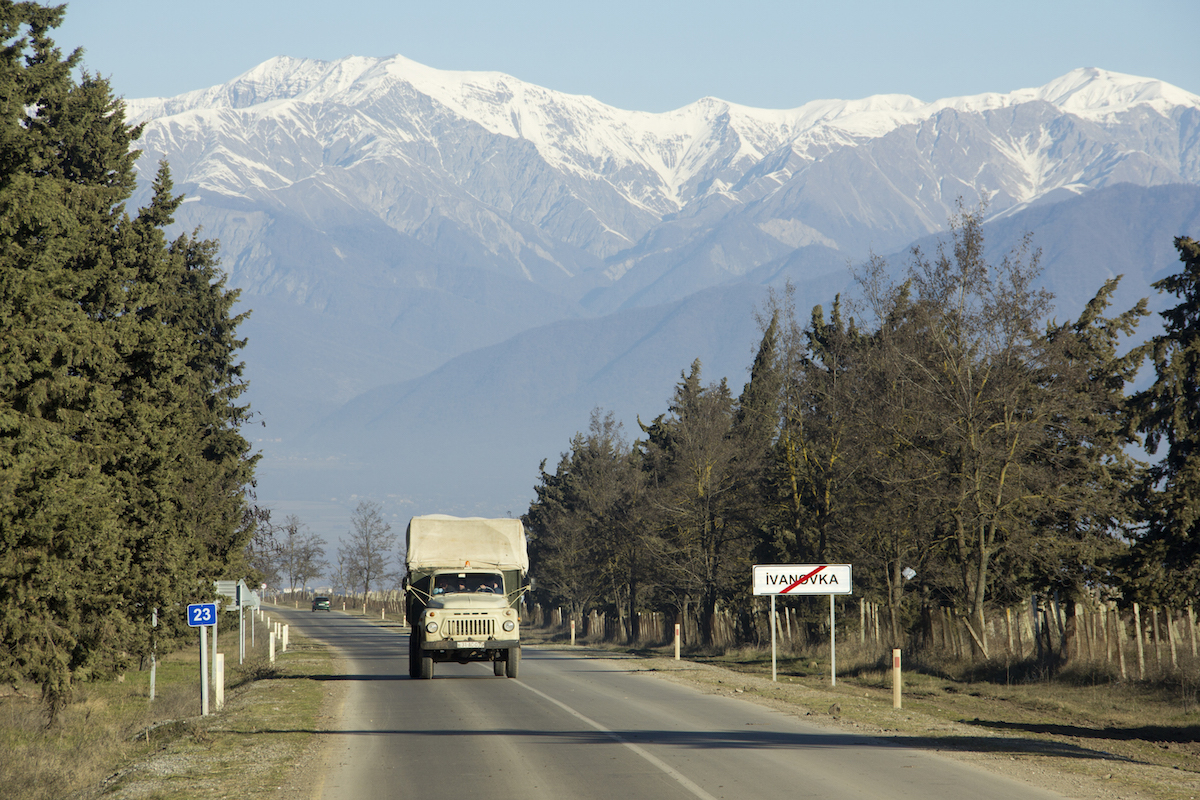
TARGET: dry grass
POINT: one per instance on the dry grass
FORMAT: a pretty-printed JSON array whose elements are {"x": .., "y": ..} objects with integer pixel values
[
  {"x": 111, "y": 741},
  {"x": 106, "y": 724}
]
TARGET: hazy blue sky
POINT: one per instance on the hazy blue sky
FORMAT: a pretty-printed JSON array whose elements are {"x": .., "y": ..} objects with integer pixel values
[{"x": 653, "y": 55}]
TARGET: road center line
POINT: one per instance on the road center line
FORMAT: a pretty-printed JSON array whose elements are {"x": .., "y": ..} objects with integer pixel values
[{"x": 616, "y": 737}]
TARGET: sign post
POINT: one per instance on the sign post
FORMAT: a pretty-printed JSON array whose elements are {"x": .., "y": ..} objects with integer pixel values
[
  {"x": 805, "y": 579},
  {"x": 201, "y": 615}
]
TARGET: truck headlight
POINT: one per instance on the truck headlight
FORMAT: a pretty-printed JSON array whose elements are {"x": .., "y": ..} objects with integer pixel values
[
  {"x": 509, "y": 625},
  {"x": 431, "y": 627}
]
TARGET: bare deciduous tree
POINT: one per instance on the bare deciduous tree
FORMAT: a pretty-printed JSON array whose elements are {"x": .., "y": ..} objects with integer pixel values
[
  {"x": 367, "y": 552},
  {"x": 301, "y": 553}
]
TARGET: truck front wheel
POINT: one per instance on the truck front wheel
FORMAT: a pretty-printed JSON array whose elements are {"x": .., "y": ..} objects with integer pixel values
[
  {"x": 498, "y": 667},
  {"x": 513, "y": 664},
  {"x": 426, "y": 666},
  {"x": 414, "y": 654}
]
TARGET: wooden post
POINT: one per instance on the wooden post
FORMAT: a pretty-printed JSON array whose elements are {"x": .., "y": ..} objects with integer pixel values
[
  {"x": 1137, "y": 631},
  {"x": 1104, "y": 615},
  {"x": 1008, "y": 628},
  {"x": 1171, "y": 637},
  {"x": 1035, "y": 625},
  {"x": 1157, "y": 636},
  {"x": 1192, "y": 627},
  {"x": 1119, "y": 631}
]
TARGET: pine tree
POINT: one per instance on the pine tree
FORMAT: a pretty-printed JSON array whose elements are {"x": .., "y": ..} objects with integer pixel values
[{"x": 1165, "y": 562}]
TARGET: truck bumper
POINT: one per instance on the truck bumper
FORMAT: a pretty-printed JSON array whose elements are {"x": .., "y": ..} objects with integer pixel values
[{"x": 465, "y": 646}]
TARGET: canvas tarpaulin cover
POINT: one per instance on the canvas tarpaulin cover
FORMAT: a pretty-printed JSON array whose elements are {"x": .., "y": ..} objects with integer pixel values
[{"x": 439, "y": 540}]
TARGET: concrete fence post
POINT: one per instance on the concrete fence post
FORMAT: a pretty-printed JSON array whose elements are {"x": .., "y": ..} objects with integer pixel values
[{"x": 272, "y": 647}]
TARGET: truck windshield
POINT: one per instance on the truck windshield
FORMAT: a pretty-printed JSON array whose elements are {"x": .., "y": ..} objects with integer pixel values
[{"x": 486, "y": 582}]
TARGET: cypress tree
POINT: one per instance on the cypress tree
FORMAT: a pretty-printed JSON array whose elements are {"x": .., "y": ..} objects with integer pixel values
[
  {"x": 1165, "y": 560},
  {"x": 122, "y": 471}
]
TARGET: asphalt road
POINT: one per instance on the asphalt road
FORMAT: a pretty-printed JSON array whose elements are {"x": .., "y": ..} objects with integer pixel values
[{"x": 578, "y": 727}]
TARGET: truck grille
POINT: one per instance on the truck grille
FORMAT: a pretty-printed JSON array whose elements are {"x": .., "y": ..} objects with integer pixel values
[{"x": 465, "y": 626}]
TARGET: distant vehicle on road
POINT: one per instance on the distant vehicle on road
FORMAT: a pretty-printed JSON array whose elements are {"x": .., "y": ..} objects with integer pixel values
[{"x": 320, "y": 603}]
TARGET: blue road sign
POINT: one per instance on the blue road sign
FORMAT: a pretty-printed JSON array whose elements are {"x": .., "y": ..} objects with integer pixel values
[{"x": 200, "y": 614}]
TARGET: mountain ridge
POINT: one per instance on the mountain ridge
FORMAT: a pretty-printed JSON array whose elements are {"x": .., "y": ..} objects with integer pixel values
[{"x": 384, "y": 219}]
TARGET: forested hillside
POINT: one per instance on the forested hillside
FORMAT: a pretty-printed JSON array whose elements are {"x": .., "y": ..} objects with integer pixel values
[
  {"x": 959, "y": 452},
  {"x": 123, "y": 475}
]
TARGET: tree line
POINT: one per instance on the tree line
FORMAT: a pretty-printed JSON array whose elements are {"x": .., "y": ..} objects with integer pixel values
[
  {"x": 124, "y": 478},
  {"x": 288, "y": 556},
  {"x": 962, "y": 453}
]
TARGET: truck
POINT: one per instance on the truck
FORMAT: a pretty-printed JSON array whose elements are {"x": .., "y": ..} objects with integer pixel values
[{"x": 463, "y": 592}]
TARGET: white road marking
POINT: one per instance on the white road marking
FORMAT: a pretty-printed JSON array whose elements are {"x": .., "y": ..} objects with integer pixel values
[{"x": 657, "y": 762}]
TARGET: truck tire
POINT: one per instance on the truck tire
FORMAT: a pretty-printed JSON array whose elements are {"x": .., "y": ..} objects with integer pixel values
[
  {"x": 498, "y": 667},
  {"x": 414, "y": 654},
  {"x": 513, "y": 664},
  {"x": 426, "y": 666}
]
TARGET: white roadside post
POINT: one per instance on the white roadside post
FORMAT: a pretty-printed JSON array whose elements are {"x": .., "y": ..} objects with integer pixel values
[
  {"x": 285, "y": 638},
  {"x": 241, "y": 627},
  {"x": 676, "y": 641},
  {"x": 153, "y": 652},
  {"x": 806, "y": 579},
  {"x": 272, "y": 647},
  {"x": 896, "y": 697},
  {"x": 219, "y": 684}
]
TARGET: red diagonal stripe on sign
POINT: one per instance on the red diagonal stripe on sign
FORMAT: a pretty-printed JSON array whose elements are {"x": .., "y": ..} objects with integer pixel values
[{"x": 803, "y": 579}]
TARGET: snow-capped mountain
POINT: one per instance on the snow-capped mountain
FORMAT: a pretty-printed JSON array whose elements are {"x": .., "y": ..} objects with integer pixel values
[{"x": 382, "y": 217}]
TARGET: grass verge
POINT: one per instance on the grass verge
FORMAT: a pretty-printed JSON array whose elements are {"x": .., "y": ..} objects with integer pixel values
[{"x": 112, "y": 742}]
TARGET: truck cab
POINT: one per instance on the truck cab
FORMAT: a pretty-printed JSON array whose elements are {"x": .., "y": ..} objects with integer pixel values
[{"x": 467, "y": 616}]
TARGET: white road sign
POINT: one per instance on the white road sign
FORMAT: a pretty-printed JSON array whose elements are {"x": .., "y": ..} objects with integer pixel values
[{"x": 794, "y": 579}]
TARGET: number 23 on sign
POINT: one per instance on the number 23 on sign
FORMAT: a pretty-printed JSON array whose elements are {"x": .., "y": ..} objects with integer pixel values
[{"x": 200, "y": 614}]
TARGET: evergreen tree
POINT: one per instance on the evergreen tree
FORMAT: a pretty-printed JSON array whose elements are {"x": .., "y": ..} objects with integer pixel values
[
  {"x": 698, "y": 489},
  {"x": 122, "y": 470},
  {"x": 1087, "y": 495},
  {"x": 1165, "y": 563},
  {"x": 585, "y": 524}
]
